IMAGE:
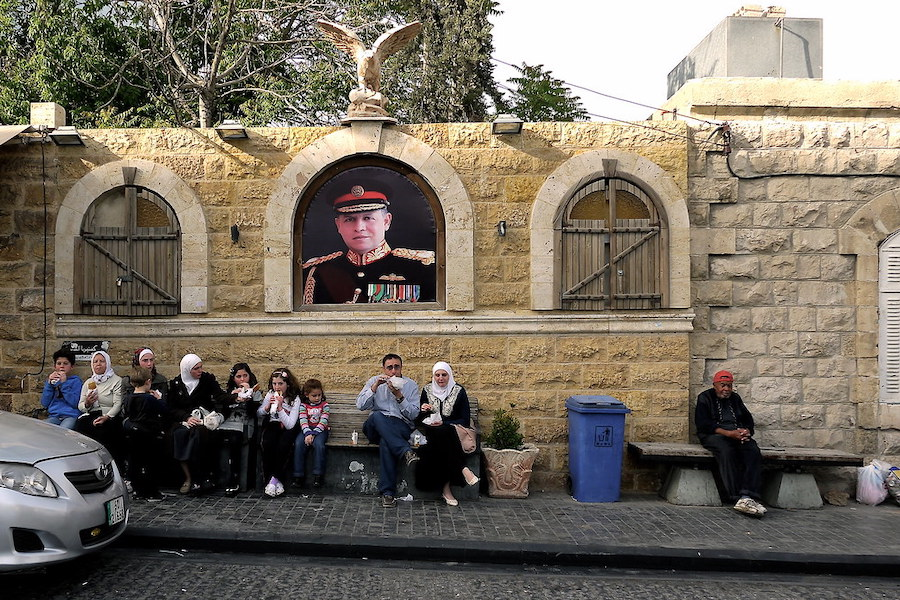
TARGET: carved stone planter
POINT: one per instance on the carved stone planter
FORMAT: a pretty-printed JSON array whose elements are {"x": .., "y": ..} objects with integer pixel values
[{"x": 509, "y": 471}]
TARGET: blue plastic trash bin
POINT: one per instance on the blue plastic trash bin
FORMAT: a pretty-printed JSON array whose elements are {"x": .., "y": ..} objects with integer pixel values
[{"x": 596, "y": 440}]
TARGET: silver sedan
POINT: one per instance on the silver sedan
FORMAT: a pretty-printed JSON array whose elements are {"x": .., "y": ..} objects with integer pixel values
[{"x": 61, "y": 494}]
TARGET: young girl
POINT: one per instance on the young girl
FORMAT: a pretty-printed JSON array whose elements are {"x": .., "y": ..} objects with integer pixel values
[
  {"x": 279, "y": 411},
  {"x": 313, "y": 425},
  {"x": 239, "y": 427}
]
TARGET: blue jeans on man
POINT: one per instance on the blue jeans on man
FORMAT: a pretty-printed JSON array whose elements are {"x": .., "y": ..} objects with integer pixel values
[{"x": 392, "y": 436}]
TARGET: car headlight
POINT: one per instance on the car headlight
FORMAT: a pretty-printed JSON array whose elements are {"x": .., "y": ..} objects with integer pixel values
[{"x": 27, "y": 480}]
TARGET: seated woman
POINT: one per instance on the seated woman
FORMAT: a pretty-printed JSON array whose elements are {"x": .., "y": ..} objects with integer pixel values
[
  {"x": 239, "y": 428},
  {"x": 62, "y": 391},
  {"x": 443, "y": 404},
  {"x": 192, "y": 443},
  {"x": 101, "y": 403},
  {"x": 144, "y": 357}
]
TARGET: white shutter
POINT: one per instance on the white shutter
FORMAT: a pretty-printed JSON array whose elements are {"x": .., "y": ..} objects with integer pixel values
[{"x": 889, "y": 320}]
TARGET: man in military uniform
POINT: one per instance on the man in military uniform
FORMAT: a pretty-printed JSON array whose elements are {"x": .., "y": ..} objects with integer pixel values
[{"x": 370, "y": 270}]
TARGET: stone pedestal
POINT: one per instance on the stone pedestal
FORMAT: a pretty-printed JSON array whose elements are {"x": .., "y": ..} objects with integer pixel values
[
  {"x": 691, "y": 487},
  {"x": 791, "y": 490}
]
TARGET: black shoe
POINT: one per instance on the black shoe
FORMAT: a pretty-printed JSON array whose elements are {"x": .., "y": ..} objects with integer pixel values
[
  {"x": 388, "y": 501},
  {"x": 232, "y": 490},
  {"x": 298, "y": 483},
  {"x": 317, "y": 481},
  {"x": 411, "y": 458}
]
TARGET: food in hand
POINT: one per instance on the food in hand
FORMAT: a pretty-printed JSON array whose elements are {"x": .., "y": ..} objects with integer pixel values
[{"x": 92, "y": 385}]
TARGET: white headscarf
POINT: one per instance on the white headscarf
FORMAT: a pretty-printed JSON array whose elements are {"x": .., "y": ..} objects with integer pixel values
[
  {"x": 187, "y": 363},
  {"x": 144, "y": 353},
  {"x": 442, "y": 392},
  {"x": 109, "y": 370}
]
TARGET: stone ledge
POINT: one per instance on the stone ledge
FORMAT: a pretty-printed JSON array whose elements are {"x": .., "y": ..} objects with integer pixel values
[{"x": 363, "y": 323}]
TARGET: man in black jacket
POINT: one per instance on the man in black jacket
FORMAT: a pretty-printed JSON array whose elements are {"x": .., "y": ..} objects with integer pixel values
[{"x": 725, "y": 428}]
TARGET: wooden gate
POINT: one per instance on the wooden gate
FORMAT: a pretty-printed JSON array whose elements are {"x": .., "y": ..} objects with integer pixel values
[
  {"x": 131, "y": 251},
  {"x": 613, "y": 244}
]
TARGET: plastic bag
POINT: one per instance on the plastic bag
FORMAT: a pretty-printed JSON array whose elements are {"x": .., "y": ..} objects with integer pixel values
[
  {"x": 892, "y": 482},
  {"x": 870, "y": 488}
]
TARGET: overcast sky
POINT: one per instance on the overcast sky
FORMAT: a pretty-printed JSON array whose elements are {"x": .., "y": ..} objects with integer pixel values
[{"x": 626, "y": 48}]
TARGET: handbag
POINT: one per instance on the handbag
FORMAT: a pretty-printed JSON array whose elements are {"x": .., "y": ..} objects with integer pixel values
[{"x": 466, "y": 438}]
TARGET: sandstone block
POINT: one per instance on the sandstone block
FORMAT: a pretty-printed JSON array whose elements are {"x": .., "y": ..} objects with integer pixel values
[
  {"x": 782, "y": 344},
  {"x": 734, "y": 266},
  {"x": 593, "y": 349},
  {"x": 803, "y": 416},
  {"x": 776, "y": 390},
  {"x": 819, "y": 345},
  {"x": 763, "y": 240},
  {"x": 730, "y": 319},
  {"x": 713, "y": 293},
  {"x": 769, "y": 318},
  {"x": 826, "y": 390}
]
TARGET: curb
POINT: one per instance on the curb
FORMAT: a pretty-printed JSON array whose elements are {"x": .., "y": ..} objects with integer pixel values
[{"x": 594, "y": 555}]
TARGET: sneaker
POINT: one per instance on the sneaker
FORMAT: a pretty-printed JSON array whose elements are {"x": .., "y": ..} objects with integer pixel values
[
  {"x": 271, "y": 487},
  {"x": 232, "y": 490},
  {"x": 317, "y": 481},
  {"x": 411, "y": 458},
  {"x": 388, "y": 501},
  {"x": 758, "y": 506},
  {"x": 749, "y": 506}
]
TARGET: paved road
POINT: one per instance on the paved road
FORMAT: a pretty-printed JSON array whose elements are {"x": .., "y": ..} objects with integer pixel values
[{"x": 127, "y": 574}]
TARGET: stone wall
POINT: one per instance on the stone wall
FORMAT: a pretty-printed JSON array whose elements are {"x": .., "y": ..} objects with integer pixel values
[
  {"x": 781, "y": 247},
  {"x": 506, "y": 354}
]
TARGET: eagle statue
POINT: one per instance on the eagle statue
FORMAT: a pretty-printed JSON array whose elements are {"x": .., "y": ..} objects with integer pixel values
[{"x": 367, "y": 100}]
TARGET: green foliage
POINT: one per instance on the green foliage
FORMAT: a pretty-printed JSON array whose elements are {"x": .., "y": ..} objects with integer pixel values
[
  {"x": 141, "y": 63},
  {"x": 504, "y": 433},
  {"x": 538, "y": 96}
]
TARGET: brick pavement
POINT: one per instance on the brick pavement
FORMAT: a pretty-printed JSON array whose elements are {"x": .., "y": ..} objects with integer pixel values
[{"x": 640, "y": 530}]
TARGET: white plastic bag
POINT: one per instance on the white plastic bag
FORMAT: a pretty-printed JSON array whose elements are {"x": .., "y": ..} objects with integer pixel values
[{"x": 870, "y": 487}]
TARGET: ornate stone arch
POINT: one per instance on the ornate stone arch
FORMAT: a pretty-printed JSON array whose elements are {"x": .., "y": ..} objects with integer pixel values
[
  {"x": 566, "y": 180},
  {"x": 369, "y": 137},
  {"x": 159, "y": 179}
]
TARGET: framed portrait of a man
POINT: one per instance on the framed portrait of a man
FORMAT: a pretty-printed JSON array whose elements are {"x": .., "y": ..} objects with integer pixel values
[{"x": 369, "y": 236}]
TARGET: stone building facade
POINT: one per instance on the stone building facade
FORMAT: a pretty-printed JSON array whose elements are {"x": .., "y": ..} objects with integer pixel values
[{"x": 768, "y": 262}]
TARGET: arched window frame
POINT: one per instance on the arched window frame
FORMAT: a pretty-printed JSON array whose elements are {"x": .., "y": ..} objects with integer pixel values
[
  {"x": 565, "y": 181},
  {"x": 194, "y": 247}
]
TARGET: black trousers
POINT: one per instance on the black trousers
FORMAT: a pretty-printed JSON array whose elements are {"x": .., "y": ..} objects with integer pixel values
[{"x": 739, "y": 466}]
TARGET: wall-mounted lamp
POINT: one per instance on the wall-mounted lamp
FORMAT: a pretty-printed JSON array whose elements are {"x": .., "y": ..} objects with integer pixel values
[
  {"x": 66, "y": 136},
  {"x": 235, "y": 234},
  {"x": 501, "y": 228},
  {"x": 506, "y": 124},
  {"x": 232, "y": 130}
]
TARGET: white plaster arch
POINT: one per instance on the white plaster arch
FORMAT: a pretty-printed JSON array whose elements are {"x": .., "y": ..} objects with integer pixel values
[
  {"x": 154, "y": 177},
  {"x": 566, "y": 180},
  {"x": 370, "y": 137}
]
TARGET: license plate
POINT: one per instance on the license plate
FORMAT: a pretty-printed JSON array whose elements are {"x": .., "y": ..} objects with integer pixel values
[{"x": 115, "y": 510}]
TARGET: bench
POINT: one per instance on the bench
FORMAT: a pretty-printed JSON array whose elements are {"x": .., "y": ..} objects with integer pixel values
[
  {"x": 354, "y": 468},
  {"x": 691, "y": 482}
]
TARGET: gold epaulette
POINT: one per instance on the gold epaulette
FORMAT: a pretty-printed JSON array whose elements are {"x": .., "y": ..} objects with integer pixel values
[
  {"x": 426, "y": 257},
  {"x": 320, "y": 259}
]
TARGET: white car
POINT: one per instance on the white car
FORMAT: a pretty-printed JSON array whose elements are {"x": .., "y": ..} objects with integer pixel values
[{"x": 61, "y": 494}]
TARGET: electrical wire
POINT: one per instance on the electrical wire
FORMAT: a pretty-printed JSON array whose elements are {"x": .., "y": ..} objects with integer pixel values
[{"x": 617, "y": 98}]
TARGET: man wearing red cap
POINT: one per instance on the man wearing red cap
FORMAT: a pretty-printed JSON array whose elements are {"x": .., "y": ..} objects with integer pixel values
[
  {"x": 725, "y": 428},
  {"x": 370, "y": 270}
]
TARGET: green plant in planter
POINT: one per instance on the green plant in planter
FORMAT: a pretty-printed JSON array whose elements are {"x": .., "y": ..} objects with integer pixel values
[{"x": 504, "y": 433}]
